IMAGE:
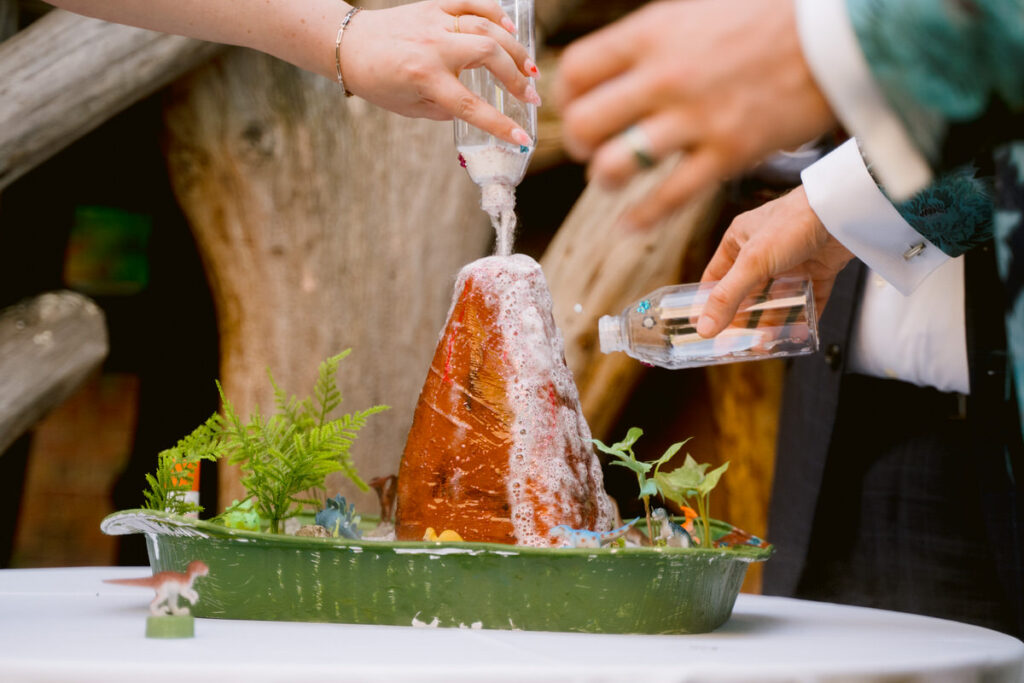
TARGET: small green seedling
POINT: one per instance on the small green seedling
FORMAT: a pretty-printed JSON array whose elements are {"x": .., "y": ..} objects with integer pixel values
[
  {"x": 690, "y": 482},
  {"x": 623, "y": 450}
]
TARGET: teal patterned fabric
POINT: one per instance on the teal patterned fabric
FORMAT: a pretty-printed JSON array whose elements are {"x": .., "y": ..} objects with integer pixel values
[
  {"x": 942, "y": 61},
  {"x": 954, "y": 212},
  {"x": 953, "y": 70}
]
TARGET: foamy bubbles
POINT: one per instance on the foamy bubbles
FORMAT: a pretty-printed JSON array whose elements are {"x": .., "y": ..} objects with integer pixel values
[{"x": 553, "y": 474}]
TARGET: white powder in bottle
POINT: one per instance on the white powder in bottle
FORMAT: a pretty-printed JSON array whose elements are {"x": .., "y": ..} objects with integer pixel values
[{"x": 497, "y": 169}]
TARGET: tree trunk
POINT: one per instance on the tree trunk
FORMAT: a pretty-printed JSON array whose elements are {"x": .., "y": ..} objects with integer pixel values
[{"x": 323, "y": 223}]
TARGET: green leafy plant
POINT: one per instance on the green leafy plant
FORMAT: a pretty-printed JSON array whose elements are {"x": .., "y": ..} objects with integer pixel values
[
  {"x": 284, "y": 456},
  {"x": 692, "y": 482},
  {"x": 176, "y": 469},
  {"x": 623, "y": 450}
]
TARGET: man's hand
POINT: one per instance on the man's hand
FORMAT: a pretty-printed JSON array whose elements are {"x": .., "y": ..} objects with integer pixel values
[
  {"x": 726, "y": 82},
  {"x": 783, "y": 237}
]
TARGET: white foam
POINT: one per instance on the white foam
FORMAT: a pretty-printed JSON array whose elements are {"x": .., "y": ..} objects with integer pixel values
[{"x": 548, "y": 421}]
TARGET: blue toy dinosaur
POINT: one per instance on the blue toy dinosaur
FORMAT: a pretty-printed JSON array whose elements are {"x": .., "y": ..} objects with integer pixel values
[
  {"x": 675, "y": 536},
  {"x": 584, "y": 538},
  {"x": 339, "y": 518}
]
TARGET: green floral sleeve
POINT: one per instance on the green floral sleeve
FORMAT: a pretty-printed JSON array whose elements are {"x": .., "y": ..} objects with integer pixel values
[
  {"x": 954, "y": 213},
  {"x": 940, "y": 62}
]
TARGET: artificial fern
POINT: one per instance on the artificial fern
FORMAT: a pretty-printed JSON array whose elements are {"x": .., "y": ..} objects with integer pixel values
[
  {"x": 289, "y": 453},
  {"x": 175, "y": 468}
]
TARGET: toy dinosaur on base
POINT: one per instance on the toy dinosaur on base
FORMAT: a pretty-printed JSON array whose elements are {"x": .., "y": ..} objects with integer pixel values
[
  {"x": 166, "y": 618},
  {"x": 169, "y": 586},
  {"x": 584, "y": 538}
]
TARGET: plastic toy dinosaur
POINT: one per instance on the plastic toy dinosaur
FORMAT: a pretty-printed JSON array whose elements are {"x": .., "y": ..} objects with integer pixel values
[
  {"x": 339, "y": 518},
  {"x": 242, "y": 515},
  {"x": 584, "y": 538},
  {"x": 169, "y": 586},
  {"x": 674, "y": 535}
]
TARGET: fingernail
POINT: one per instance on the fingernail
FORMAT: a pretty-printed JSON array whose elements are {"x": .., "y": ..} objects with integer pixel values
[
  {"x": 705, "y": 324},
  {"x": 532, "y": 96},
  {"x": 508, "y": 25},
  {"x": 522, "y": 137},
  {"x": 531, "y": 66}
]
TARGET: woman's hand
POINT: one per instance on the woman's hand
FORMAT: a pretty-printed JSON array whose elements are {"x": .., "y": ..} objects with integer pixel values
[
  {"x": 726, "y": 82},
  {"x": 408, "y": 59},
  {"x": 782, "y": 237}
]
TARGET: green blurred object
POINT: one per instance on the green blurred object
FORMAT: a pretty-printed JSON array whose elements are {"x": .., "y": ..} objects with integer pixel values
[
  {"x": 255, "y": 575},
  {"x": 107, "y": 252},
  {"x": 170, "y": 626}
]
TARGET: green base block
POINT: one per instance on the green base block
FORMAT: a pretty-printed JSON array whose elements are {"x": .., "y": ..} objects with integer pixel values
[{"x": 170, "y": 626}]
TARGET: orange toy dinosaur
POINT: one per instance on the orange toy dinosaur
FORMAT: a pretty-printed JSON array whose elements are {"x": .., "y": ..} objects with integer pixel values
[{"x": 168, "y": 586}]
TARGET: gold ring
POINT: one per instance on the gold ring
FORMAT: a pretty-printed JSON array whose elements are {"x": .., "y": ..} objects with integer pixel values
[
  {"x": 457, "y": 23},
  {"x": 640, "y": 145}
]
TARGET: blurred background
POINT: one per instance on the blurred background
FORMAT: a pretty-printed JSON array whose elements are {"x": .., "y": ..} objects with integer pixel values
[{"x": 229, "y": 213}]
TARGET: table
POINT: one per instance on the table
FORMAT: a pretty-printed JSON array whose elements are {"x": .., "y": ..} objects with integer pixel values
[{"x": 67, "y": 625}]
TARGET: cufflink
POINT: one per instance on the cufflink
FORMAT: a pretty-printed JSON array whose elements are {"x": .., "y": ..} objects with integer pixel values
[{"x": 913, "y": 251}]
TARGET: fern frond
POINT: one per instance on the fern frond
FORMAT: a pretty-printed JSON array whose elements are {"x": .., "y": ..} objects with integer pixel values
[
  {"x": 287, "y": 405},
  {"x": 325, "y": 392}
]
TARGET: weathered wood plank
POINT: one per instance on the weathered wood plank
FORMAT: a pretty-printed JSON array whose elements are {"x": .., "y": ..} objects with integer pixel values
[
  {"x": 595, "y": 268},
  {"x": 65, "y": 74},
  {"x": 48, "y": 346}
]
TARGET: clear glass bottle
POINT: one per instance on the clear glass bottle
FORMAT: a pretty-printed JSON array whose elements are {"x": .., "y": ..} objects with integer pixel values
[
  {"x": 660, "y": 329},
  {"x": 495, "y": 165}
]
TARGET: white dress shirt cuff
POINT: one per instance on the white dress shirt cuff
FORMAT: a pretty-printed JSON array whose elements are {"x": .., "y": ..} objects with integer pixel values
[
  {"x": 835, "y": 59},
  {"x": 848, "y": 202}
]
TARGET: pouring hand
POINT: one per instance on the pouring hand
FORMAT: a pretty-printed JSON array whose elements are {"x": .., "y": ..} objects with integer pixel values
[
  {"x": 782, "y": 237},
  {"x": 408, "y": 58}
]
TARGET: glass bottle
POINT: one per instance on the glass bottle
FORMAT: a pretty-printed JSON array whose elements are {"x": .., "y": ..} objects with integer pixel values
[
  {"x": 495, "y": 165},
  {"x": 660, "y": 329}
]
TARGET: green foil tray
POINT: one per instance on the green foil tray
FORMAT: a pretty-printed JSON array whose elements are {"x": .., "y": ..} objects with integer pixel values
[{"x": 255, "y": 575}]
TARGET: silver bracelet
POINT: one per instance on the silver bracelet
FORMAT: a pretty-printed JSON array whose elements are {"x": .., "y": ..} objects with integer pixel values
[{"x": 337, "y": 47}]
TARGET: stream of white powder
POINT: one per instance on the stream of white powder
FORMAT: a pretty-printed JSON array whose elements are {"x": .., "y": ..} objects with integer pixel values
[
  {"x": 504, "y": 224},
  {"x": 497, "y": 169}
]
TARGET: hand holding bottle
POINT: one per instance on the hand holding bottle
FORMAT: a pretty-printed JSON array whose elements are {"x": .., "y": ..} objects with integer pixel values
[
  {"x": 783, "y": 237},
  {"x": 406, "y": 58}
]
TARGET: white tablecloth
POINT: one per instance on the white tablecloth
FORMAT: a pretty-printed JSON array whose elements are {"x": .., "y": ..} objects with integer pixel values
[{"x": 67, "y": 625}]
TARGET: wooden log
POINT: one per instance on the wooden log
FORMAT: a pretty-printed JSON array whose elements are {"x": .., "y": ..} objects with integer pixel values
[
  {"x": 65, "y": 74},
  {"x": 48, "y": 346},
  {"x": 324, "y": 223},
  {"x": 595, "y": 268}
]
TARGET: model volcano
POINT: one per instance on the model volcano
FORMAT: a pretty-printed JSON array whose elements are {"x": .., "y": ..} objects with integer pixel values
[{"x": 499, "y": 450}]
